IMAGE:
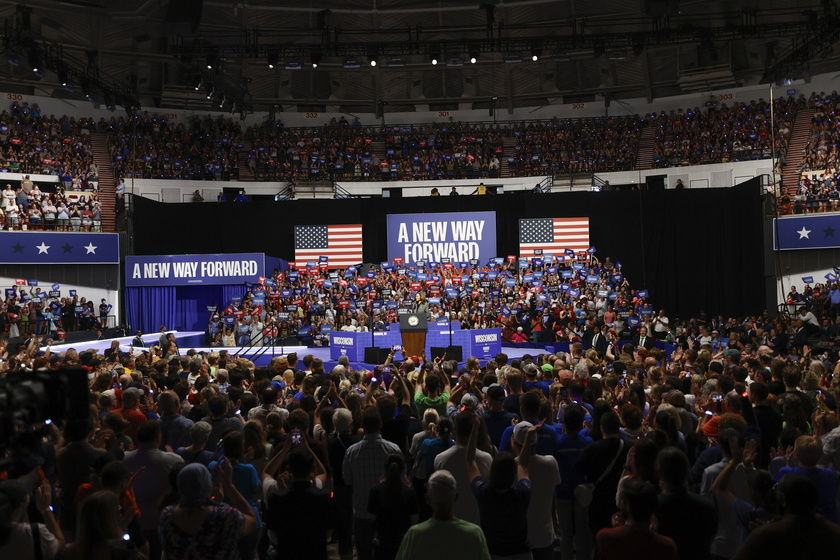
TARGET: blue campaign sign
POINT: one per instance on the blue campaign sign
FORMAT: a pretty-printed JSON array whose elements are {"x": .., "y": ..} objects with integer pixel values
[
  {"x": 485, "y": 343},
  {"x": 185, "y": 270},
  {"x": 458, "y": 236},
  {"x": 566, "y": 274},
  {"x": 344, "y": 344},
  {"x": 807, "y": 232},
  {"x": 44, "y": 247}
]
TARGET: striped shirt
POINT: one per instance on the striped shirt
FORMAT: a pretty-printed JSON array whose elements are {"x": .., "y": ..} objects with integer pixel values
[{"x": 363, "y": 465}]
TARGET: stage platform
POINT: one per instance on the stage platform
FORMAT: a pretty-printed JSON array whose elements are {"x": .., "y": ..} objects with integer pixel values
[{"x": 265, "y": 353}]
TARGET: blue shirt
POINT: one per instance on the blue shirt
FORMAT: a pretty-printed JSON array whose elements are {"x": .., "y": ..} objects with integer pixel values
[
  {"x": 546, "y": 440},
  {"x": 246, "y": 480},
  {"x": 835, "y": 296},
  {"x": 569, "y": 448}
]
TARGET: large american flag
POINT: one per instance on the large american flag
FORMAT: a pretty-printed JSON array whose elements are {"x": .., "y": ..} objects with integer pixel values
[
  {"x": 553, "y": 235},
  {"x": 342, "y": 245}
]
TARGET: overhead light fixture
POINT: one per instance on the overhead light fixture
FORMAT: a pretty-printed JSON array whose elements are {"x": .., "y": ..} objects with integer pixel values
[
  {"x": 536, "y": 53},
  {"x": 315, "y": 59},
  {"x": 474, "y": 56},
  {"x": 222, "y": 101},
  {"x": 272, "y": 59},
  {"x": 198, "y": 84},
  {"x": 372, "y": 53},
  {"x": 210, "y": 93},
  {"x": 34, "y": 60},
  {"x": 212, "y": 60},
  {"x": 435, "y": 56}
]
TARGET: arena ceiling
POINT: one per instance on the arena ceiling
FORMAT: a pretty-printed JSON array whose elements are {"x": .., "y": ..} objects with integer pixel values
[{"x": 157, "y": 52}]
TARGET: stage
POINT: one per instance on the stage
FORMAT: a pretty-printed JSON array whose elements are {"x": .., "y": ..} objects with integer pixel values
[{"x": 194, "y": 340}]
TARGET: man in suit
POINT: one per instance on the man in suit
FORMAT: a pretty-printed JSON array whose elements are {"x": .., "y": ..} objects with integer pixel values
[
  {"x": 643, "y": 340},
  {"x": 600, "y": 340}
]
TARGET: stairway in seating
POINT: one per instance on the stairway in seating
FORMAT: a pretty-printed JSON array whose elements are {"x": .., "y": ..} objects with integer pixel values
[
  {"x": 796, "y": 151},
  {"x": 107, "y": 182},
  {"x": 508, "y": 151},
  {"x": 377, "y": 149},
  {"x": 242, "y": 161},
  {"x": 644, "y": 154}
]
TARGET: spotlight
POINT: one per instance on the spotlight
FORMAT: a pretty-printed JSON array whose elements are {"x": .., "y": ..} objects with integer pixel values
[
  {"x": 212, "y": 59},
  {"x": 198, "y": 84},
  {"x": 222, "y": 101},
  {"x": 474, "y": 56},
  {"x": 34, "y": 60},
  {"x": 536, "y": 52},
  {"x": 272, "y": 60},
  {"x": 210, "y": 93},
  {"x": 435, "y": 57},
  {"x": 62, "y": 76},
  {"x": 373, "y": 62},
  {"x": 315, "y": 59}
]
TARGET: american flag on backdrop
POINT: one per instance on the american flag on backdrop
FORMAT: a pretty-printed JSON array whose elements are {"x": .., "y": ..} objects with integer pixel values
[
  {"x": 553, "y": 235},
  {"x": 342, "y": 245}
]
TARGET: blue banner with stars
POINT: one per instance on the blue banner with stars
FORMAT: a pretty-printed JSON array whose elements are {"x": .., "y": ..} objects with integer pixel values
[
  {"x": 807, "y": 232},
  {"x": 37, "y": 247}
]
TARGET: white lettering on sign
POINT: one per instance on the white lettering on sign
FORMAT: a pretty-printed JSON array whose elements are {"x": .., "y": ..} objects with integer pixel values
[
  {"x": 486, "y": 338},
  {"x": 438, "y": 240},
  {"x": 206, "y": 269},
  {"x": 343, "y": 340}
]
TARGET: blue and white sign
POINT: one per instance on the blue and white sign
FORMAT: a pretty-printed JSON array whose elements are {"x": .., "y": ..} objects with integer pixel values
[
  {"x": 184, "y": 270},
  {"x": 462, "y": 236},
  {"x": 44, "y": 247},
  {"x": 807, "y": 232},
  {"x": 344, "y": 344},
  {"x": 485, "y": 343}
]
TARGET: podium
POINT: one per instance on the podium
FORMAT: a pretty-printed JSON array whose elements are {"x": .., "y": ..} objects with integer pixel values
[{"x": 413, "y": 327}]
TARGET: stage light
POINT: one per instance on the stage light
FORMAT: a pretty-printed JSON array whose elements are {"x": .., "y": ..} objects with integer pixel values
[
  {"x": 272, "y": 59},
  {"x": 474, "y": 56}
]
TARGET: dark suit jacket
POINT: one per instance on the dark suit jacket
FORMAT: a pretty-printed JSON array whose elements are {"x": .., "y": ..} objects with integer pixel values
[
  {"x": 601, "y": 344},
  {"x": 649, "y": 342}
]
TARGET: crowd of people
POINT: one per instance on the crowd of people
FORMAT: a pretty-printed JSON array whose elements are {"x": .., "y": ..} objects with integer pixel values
[
  {"x": 150, "y": 146},
  {"x": 29, "y": 311},
  {"x": 541, "y": 300},
  {"x": 722, "y": 134},
  {"x": 706, "y": 451},
  {"x": 28, "y": 208},
  {"x": 817, "y": 189},
  {"x": 38, "y": 144}
]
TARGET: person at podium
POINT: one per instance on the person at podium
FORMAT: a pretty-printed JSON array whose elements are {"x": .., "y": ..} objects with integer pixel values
[{"x": 421, "y": 305}]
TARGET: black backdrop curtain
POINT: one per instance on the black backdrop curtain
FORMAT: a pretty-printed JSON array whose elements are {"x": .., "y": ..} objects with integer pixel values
[{"x": 693, "y": 249}]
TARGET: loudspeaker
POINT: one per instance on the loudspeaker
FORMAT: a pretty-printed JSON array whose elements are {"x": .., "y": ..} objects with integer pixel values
[
  {"x": 452, "y": 352},
  {"x": 376, "y": 355},
  {"x": 438, "y": 352}
]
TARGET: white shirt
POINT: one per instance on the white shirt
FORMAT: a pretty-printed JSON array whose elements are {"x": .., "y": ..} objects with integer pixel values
[
  {"x": 544, "y": 475},
  {"x": 660, "y": 324},
  {"x": 454, "y": 460}
]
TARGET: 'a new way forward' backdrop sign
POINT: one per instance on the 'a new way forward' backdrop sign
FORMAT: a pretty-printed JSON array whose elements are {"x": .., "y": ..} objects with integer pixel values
[{"x": 457, "y": 236}]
